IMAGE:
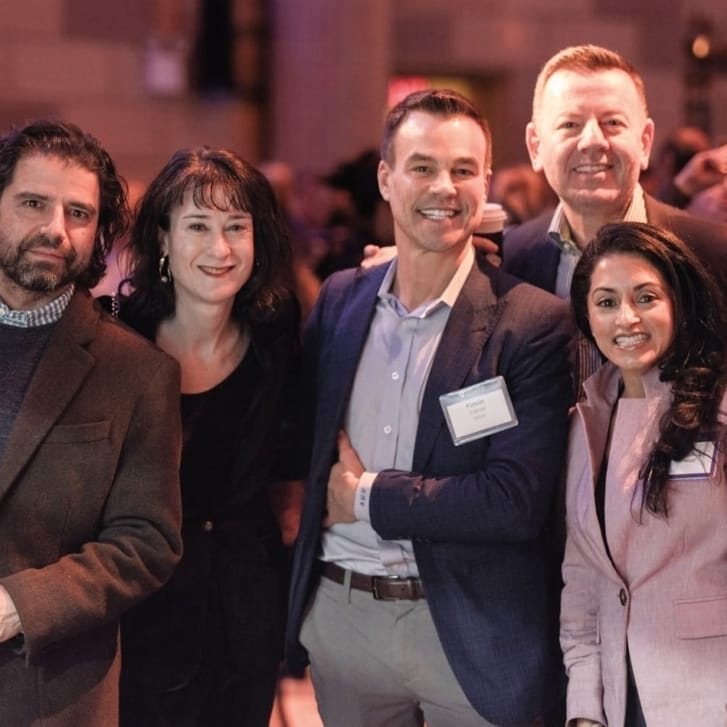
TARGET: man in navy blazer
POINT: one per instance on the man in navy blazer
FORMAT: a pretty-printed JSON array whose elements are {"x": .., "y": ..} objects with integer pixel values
[
  {"x": 591, "y": 135},
  {"x": 422, "y": 581}
]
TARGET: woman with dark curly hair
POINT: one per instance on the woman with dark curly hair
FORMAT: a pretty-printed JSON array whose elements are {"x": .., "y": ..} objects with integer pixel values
[
  {"x": 644, "y": 607},
  {"x": 211, "y": 262}
]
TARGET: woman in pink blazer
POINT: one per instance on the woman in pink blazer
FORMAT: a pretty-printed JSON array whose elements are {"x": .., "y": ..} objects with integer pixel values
[{"x": 644, "y": 607}]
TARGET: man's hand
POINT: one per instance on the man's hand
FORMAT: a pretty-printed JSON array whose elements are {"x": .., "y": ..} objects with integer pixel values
[
  {"x": 342, "y": 483},
  {"x": 10, "y": 625},
  {"x": 375, "y": 255},
  {"x": 703, "y": 170},
  {"x": 488, "y": 247}
]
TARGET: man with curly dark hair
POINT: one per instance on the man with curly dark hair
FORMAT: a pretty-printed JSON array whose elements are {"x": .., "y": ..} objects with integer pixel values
[{"x": 89, "y": 437}]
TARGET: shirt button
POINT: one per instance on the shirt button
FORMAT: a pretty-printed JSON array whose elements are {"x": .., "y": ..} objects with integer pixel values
[
  {"x": 395, "y": 375},
  {"x": 622, "y": 597},
  {"x": 208, "y": 526},
  {"x": 387, "y": 429}
]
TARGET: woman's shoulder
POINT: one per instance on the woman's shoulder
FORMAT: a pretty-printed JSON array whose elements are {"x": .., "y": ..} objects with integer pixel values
[{"x": 120, "y": 307}]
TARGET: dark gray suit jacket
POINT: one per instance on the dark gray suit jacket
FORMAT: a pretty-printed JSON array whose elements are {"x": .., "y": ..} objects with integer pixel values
[{"x": 477, "y": 514}]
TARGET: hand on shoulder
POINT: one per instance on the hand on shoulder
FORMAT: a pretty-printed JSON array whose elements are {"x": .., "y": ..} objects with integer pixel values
[{"x": 375, "y": 255}]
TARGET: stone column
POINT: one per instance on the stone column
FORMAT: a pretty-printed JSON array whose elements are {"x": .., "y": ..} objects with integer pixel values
[{"x": 330, "y": 65}]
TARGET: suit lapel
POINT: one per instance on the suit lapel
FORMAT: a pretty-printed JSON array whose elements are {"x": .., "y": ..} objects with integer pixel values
[
  {"x": 348, "y": 338},
  {"x": 656, "y": 212},
  {"x": 61, "y": 371},
  {"x": 471, "y": 321},
  {"x": 538, "y": 256},
  {"x": 596, "y": 413}
]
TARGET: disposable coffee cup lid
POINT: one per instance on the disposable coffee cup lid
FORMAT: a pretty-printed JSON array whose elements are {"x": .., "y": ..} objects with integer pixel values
[{"x": 493, "y": 218}]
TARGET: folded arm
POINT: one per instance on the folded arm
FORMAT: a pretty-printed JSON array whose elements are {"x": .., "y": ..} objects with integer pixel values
[{"x": 500, "y": 488}]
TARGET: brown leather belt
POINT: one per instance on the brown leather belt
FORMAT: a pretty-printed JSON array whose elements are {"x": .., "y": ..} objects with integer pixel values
[{"x": 383, "y": 588}]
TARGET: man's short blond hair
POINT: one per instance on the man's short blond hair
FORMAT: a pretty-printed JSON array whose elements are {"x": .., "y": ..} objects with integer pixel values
[{"x": 586, "y": 59}]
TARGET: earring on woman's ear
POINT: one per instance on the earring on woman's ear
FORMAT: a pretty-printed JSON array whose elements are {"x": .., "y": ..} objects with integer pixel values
[{"x": 165, "y": 274}]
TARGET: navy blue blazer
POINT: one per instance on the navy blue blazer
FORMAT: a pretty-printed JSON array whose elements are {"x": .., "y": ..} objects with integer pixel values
[
  {"x": 478, "y": 514},
  {"x": 529, "y": 254}
]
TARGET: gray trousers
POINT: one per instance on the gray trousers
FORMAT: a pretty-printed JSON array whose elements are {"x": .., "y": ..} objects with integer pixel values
[{"x": 380, "y": 663}]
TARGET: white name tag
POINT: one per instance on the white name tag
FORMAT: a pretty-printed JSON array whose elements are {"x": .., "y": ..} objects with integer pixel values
[
  {"x": 478, "y": 411},
  {"x": 699, "y": 463}
]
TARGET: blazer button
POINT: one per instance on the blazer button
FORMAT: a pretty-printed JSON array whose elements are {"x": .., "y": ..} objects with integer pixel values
[
  {"x": 208, "y": 526},
  {"x": 622, "y": 597}
]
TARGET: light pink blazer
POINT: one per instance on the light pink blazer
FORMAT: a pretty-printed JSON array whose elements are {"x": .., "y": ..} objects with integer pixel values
[{"x": 666, "y": 596}]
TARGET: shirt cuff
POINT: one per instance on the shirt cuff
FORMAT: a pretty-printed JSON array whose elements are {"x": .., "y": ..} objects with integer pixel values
[
  {"x": 361, "y": 500},
  {"x": 10, "y": 625}
]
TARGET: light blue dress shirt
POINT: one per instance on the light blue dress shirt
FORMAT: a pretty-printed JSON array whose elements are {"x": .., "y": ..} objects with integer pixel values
[{"x": 383, "y": 415}]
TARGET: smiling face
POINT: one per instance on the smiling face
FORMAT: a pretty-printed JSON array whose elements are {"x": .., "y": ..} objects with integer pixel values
[
  {"x": 631, "y": 315},
  {"x": 211, "y": 252},
  {"x": 436, "y": 182},
  {"x": 48, "y": 223},
  {"x": 592, "y": 138}
]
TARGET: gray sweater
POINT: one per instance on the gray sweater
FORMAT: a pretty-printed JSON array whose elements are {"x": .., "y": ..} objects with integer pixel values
[{"x": 20, "y": 351}]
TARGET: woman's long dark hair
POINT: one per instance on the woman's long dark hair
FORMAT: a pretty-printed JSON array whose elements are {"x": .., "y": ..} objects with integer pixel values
[
  {"x": 695, "y": 361},
  {"x": 214, "y": 177}
]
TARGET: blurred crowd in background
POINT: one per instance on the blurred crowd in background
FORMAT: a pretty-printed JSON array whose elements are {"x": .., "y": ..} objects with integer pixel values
[{"x": 332, "y": 217}]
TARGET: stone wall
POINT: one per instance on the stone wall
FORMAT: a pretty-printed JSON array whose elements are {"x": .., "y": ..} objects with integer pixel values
[
  {"x": 89, "y": 61},
  {"x": 325, "y": 74}
]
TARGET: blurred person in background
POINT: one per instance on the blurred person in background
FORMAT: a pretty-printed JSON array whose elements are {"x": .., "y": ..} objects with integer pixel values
[
  {"x": 307, "y": 238},
  {"x": 643, "y": 618},
  {"x": 117, "y": 263},
  {"x": 523, "y": 192},
  {"x": 675, "y": 152},
  {"x": 210, "y": 260},
  {"x": 711, "y": 203},
  {"x": 687, "y": 165},
  {"x": 360, "y": 216}
]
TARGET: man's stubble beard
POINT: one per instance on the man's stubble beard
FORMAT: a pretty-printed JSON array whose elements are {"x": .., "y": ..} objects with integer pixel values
[{"x": 38, "y": 276}]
